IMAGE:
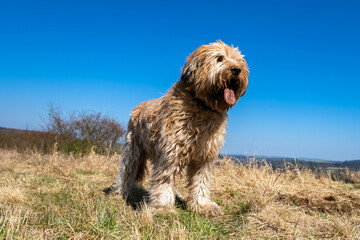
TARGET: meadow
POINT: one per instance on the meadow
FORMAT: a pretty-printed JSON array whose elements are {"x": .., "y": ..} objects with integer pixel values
[{"x": 58, "y": 196}]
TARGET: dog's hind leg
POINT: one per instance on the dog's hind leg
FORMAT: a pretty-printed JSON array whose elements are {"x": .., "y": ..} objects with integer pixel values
[{"x": 132, "y": 166}]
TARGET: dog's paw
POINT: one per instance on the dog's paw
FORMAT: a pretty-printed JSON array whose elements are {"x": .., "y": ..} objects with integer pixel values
[
  {"x": 115, "y": 188},
  {"x": 209, "y": 209},
  {"x": 163, "y": 210}
]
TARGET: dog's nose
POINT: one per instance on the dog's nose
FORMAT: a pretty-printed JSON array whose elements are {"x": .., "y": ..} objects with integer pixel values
[{"x": 236, "y": 71}]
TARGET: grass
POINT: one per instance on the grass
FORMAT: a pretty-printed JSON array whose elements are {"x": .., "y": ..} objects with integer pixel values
[{"x": 60, "y": 197}]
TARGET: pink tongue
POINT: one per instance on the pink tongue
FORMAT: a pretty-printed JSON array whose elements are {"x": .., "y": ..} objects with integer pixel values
[{"x": 229, "y": 96}]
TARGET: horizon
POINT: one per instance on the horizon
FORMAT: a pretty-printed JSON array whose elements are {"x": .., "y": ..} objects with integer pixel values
[
  {"x": 303, "y": 95},
  {"x": 243, "y": 155}
]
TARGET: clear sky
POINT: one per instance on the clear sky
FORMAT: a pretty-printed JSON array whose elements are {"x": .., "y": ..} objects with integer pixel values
[{"x": 303, "y": 98}]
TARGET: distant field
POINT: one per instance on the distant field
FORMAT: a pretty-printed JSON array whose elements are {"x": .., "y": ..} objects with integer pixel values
[{"x": 60, "y": 197}]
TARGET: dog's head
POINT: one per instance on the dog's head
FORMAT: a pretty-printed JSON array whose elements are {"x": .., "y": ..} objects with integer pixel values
[{"x": 217, "y": 74}]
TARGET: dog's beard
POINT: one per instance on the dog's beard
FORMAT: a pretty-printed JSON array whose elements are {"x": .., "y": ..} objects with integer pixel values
[{"x": 221, "y": 99}]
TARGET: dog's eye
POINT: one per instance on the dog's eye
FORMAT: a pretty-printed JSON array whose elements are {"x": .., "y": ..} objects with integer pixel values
[{"x": 220, "y": 59}]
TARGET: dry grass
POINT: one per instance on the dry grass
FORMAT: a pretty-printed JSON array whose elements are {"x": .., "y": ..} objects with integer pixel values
[{"x": 57, "y": 196}]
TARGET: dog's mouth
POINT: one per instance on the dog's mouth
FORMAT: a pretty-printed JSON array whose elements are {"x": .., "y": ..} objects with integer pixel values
[
  {"x": 224, "y": 97},
  {"x": 229, "y": 92},
  {"x": 229, "y": 97}
]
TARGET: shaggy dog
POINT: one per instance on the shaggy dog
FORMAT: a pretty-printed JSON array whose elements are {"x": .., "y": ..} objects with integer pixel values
[{"x": 184, "y": 129}]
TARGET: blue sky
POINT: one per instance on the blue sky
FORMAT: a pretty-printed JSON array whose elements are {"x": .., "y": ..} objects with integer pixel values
[{"x": 108, "y": 56}]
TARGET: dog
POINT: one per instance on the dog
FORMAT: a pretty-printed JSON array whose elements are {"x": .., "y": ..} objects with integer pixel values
[{"x": 184, "y": 129}]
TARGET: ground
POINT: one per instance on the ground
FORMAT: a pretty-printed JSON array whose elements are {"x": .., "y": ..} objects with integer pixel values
[{"x": 61, "y": 197}]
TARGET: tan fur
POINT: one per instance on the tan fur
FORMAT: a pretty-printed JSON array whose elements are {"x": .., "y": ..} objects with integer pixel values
[{"x": 184, "y": 129}]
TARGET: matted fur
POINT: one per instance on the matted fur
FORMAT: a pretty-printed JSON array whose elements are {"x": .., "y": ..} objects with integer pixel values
[{"x": 184, "y": 129}]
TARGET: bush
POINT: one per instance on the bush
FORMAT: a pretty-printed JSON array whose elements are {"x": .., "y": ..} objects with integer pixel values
[{"x": 83, "y": 132}]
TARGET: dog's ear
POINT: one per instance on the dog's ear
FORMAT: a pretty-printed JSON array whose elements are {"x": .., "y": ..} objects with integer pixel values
[{"x": 188, "y": 70}]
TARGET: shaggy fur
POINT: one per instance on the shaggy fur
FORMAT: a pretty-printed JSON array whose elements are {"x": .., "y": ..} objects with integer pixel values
[{"x": 184, "y": 129}]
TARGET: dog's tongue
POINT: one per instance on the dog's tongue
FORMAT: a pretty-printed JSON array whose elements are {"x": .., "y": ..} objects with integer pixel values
[{"x": 229, "y": 96}]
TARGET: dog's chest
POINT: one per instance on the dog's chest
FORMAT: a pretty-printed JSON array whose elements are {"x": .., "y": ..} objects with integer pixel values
[
  {"x": 202, "y": 137},
  {"x": 209, "y": 141}
]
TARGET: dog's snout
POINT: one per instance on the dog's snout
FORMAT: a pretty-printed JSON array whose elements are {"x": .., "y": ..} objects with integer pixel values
[{"x": 236, "y": 71}]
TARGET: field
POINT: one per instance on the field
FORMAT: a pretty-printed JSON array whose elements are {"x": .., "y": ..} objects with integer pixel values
[{"x": 61, "y": 197}]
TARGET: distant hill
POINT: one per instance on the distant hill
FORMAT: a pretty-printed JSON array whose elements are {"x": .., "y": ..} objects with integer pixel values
[
  {"x": 9, "y": 130},
  {"x": 12, "y": 133},
  {"x": 279, "y": 162},
  {"x": 23, "y": 140}
]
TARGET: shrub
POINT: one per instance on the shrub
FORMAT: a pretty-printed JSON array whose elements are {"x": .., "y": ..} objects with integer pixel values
[{"x": 83, "y": 132}]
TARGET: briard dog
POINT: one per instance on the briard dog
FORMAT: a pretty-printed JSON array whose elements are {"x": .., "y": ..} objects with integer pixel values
[{"x": 184, "y": 129}]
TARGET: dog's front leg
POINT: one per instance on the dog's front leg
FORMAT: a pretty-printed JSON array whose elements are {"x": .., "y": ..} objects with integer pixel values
[
  {"x": 199, "y": 187},
  {"x": 162, "y": 191}
]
